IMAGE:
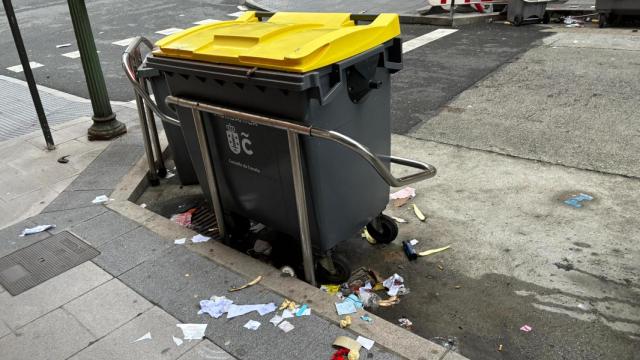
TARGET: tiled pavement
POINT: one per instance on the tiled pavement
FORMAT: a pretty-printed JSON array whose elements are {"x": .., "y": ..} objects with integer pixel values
[{"x": 141, "y": 282}]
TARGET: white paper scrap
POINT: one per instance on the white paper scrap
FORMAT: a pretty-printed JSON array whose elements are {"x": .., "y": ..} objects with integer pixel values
[
  {"x": 63, "y": 45},
  {"x": 100, "y": 199},
  {"x": 407, "y": 192},
  {"x": 252, "y": 325},
  {"x": 267, "y": 308},
  {"x": 146, "y": 336},
  {"x": 177, "y": 340},
  {"x": 276, "y": 319},
  {"x": 399, "y": 220},
  {"x": 36, "y": 229},
  {"x": 199, "y": 239},
  {"x": 180, "y": 241},
  {"x": 413, "y": 242},
  {"x": 285, "y": 326},
  {"x": 236, "y": 14},
  {"x": 192, "y": 331},
  {"x": 215, "y": 307},
  {"x": 286, "y": 314},
  {"x": 366, "y": 343}
]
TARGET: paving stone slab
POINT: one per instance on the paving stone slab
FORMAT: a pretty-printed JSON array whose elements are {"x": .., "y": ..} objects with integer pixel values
[
  {"x": 19, "y": 310},
  {"x": 4, "y": 329},
  {"x": 107, "y": 307},
  {"x": 206, "y": 350},
  {"x": 56, "y": 335},
  {"x": 74, "y": 200},
  {"x": 10, "y": 239},
  {"x": 129, "y": 250},
  {"x": 65, "y": 219},
  {"x": 104, "y": 227},
  {"x": 163, "y": 281},
  {"x": 120, "y": 154},
  {"x": 119, "y": 344},
  {"x": 99, "y": 177}
]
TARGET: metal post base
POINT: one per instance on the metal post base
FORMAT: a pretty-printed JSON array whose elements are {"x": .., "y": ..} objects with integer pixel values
[{"x": 106, "y": 128}]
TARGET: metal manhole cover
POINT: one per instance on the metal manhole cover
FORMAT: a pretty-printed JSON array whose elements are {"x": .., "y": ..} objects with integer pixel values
[{"x": 39, "y": 262}]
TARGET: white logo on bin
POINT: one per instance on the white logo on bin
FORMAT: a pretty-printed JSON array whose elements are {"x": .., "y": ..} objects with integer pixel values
[{"x": 236, "y": 144}]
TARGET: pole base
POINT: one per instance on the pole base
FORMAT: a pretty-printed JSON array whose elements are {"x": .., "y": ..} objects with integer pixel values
[{"x": 106, "y": 128}]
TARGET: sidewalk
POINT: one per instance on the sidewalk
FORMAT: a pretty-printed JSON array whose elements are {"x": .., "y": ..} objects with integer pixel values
[{"x": 141, "y": 282}]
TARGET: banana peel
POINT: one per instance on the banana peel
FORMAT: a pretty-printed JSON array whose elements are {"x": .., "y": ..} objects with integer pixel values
[
  {"x": 366, "y": 235},
  {"x": 433, "y": 251},
  {"x": 418, "y": 213},
  {"x": 250, "y": 283}
]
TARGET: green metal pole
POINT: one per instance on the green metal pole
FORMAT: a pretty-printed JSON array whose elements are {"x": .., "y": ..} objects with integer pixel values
[{"x": 105, "y": 125}]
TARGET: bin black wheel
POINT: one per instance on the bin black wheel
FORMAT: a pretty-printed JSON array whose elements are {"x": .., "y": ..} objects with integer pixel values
[
  {"x": 162, "y": 172},
  {"x": 517, "y": 21},
  {"x": 546, "y": 18},
  {"x": 341, "y": 275},
  {"x": 387, "y": 232},
  {"x": 602, "y": 21}
]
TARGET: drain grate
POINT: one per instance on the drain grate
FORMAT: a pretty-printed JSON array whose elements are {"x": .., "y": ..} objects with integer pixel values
[
  {"x": 204, "y": 222},
  {"x": 39, "y": 262}
]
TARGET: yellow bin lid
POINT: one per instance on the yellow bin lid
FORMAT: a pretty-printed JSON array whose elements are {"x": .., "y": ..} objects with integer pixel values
[{"x": 295, "y": 42}]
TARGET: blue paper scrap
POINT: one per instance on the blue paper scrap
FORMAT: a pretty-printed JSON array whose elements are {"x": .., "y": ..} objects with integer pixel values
[
  {"x": 576, "y": 201},
  {"x": 346, "y": 308}
]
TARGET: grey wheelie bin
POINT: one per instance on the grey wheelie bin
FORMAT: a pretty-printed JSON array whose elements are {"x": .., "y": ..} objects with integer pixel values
[
  {"x": 610, "y": 10},
  {"x": 527, "y": 11},
  {"x": 287, "y": 122}
]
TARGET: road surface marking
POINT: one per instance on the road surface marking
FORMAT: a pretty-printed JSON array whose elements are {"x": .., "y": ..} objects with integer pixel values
[
  {"x": 72, "y": 55},
  {"x": 206, "y": 21},
  {"x": 124, "y": 42},
  {"x": 19, "y": 69},
  {"x": 425, "y": 39},
  {"x": 169, "y": 31}
]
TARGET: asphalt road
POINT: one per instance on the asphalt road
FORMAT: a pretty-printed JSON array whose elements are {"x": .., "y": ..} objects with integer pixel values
[{"x": 433, "y": 74}]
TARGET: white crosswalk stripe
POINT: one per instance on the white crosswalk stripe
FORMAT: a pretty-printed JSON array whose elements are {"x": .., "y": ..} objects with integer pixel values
[{"x": 425, "y": 39}]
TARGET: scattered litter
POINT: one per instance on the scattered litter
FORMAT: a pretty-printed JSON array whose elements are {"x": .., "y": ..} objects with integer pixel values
[
  {"x": 341, "y": 354},
  {"x": 350, "y": 344},
  {"x": 366, "y": 318},
  {"x": 250, "y": 283},
  {"x": 101, "y": 199},
  {"x": 252, "y": 325},
  {"x": 262, "y": 247},
  {"x": 418, "y": 213},
  {"x": 180, "y": 241},
  {"x": 63, "y": 46},
  {"x": 576, "y": 201},
  {"x": 183, "y": 219},
  {"x": 170, "y": 174},
  {"x": 368, "y": 237},
  {"x": 242, "y": 8},
  {"x": 346, "y": 307},
  {"x": 500, "y": 347},
  {"x": 36, "y": 229},
  {"x": 200, "y": 239},
  {"x": 177, "y": 340},
  {"x": 63, "y": 159},
  {"x": 262, "y": 309},
  {"x": 389, "y": 302},
  {"x": 526, "y": 328},
  {"x": 345, "y": 322},
  {"x": 143, "y": 205},
  {"x": 356, "y": 301},
  {"x": 216, "y": 306},
  {"x": 457, "y": 287},
  {"x": 303, "y": 310},
  {"x": 584, "y": 306},
  {"x": 401, "y": 197},
  {"x": 369, "y": 299},
  {"x": 366, "y": 343},
  {"x": 450, "y": 343},
  {"x": 413, "y": 242},
  {"x": 276, "y": 319},
  {"x": 287, "y": 314},
  {"x": 287, "y": 271},
  {"x": 433, "y": 251},
  {"x": 192, "y": 331},
  {"x": 399, "y": 220},
  {"x": 285, "y": 326},
  {"x": 330, "y": 289},
  {"x": 394, "y": 284},
  {"x": 409, "y": 250},
  {"x": 287, "y": 304},
  {"x": 146, "y": 336},
  {"x": 405, "y": 323},
  {"x": 440, "y": 267}
]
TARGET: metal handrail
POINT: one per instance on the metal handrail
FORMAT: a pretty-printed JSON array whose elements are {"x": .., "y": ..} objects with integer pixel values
[
  {"x": 132, "y": 76},
  {"x": 426, "y": 170}
]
